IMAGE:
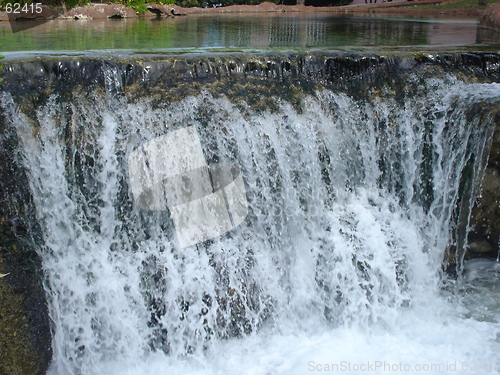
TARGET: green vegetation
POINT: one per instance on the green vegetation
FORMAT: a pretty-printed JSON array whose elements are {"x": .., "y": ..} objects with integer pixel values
[{"x": 138, "y": 5}]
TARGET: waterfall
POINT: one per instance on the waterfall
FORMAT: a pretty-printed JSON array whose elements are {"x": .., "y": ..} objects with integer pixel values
[{"x": 353, "y": 203}]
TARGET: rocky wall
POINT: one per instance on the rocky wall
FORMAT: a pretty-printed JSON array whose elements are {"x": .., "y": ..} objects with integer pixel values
[
  {"x": 484, "y": 237},
  {"x": 25, "y": 332}
]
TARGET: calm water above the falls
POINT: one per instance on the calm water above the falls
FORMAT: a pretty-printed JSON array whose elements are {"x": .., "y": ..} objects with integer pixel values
[{"x": 246, "y": 31}]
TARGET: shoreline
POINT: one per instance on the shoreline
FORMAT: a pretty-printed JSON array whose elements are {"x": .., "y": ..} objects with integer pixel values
[{"x": 103, "y": 11}]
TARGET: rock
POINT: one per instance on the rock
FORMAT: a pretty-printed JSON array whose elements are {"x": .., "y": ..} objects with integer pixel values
[
  {"x": 491, "y": 17},
  {"x": 160, "y": 10},
  {"x": 25, "y": 334},
  {"x": 25, "y": 343},
  {"x": 484, "y": 237},
  {"x": 480, "y": 246},
  {"x": 100, "y": 11}
]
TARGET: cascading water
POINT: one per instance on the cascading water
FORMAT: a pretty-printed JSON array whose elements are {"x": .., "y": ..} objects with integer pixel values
[{"x": 352, "y": 203}]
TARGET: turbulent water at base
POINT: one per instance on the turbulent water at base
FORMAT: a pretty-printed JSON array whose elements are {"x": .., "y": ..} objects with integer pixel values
[{"x": 338, "y": 266}]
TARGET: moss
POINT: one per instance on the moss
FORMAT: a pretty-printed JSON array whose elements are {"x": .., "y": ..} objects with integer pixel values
[{"x": 17, "y": 352}]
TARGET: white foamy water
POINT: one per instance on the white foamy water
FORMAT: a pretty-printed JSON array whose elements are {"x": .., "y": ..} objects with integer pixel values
[{"x": 337, "y": 268}]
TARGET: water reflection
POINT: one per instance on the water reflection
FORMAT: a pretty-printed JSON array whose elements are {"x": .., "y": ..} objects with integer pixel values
[{"x": 259, "y": 31}]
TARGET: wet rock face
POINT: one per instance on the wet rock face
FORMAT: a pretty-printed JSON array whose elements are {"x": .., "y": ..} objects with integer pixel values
[
  {"x": 485, "y": 234},
  {"x": 25, "y": 333},
  {"x": 25, "y": 338}
]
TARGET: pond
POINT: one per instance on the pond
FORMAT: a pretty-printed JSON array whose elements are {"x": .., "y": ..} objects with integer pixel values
[{"x": 257, "y": 31}]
